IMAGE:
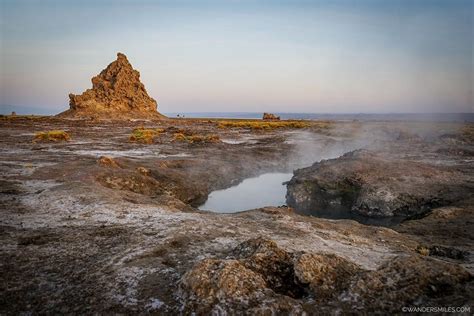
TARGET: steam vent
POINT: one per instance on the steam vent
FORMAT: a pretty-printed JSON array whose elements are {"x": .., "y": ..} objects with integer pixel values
[{"x": 116, "y": 93}]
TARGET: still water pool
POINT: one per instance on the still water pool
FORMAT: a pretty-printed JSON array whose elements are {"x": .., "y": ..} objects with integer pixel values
[
  {"x": 265, "y": 190},
  {"x": 268, "y": 190}
]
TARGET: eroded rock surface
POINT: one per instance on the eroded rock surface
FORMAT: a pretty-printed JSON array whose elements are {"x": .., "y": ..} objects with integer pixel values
[
  {"x": 325, "y": 274},
  {"x": 267, "y": 279},
  {"x": 372, "y": 184},
  {"x": 409, "y": 281},
  {"x": 116, "y": 93},
  {"x": 103, "y": 225}
]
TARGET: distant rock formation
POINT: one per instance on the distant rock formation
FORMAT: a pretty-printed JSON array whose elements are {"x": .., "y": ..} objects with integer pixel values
[
  {"x": 116, "y": 93},
  {"x": 270, "y": 117}
]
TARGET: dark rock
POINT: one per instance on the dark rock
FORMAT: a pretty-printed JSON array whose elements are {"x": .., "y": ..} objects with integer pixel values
[
  {"x": 408, "y": 281},
  {"x": 275, "y": 265},
  {"x": 448, "y": 252},
  {"x": 364, "y": 183}
]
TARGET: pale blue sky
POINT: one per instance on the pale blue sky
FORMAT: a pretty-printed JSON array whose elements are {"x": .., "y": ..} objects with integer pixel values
[{"x": 282, "y": 56}]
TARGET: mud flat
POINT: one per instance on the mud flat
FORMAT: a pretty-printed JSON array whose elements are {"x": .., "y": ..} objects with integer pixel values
[{"x": 109, "y": 223}]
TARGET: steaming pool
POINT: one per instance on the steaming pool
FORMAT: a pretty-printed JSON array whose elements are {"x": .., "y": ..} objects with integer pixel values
[
  {"x": 268, "y": 190},
  {"x": 265, "y": 190}
]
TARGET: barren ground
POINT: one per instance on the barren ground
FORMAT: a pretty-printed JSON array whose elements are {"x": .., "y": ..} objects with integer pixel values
[{"x": 83, "y": 236}]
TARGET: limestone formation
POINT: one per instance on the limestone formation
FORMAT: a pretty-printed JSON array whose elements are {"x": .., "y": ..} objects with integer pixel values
[
  {"x": 116, "y": 93},
  {"x": 270, "y": 117}
]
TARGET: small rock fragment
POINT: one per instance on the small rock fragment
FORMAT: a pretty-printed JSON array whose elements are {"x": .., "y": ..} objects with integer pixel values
[
  {"x": 144, "y": 171},
  {"x": 106, "y": 161}
]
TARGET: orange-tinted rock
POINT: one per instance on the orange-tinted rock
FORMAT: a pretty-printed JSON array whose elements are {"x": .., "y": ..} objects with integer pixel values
[
  {"x": 144, "y": 171},
  {"x": 214, "y": 281},
  {"x": 116, "y": 93},
  {"x": 325, "y": 274},
  {"x": 106, "y": 161}
]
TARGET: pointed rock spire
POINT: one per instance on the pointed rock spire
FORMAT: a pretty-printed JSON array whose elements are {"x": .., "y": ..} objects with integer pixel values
[{"x": 116, "y": 93}]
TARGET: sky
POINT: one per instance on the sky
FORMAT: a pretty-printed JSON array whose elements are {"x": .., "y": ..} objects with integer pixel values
[{"x": 338, "y": 56}]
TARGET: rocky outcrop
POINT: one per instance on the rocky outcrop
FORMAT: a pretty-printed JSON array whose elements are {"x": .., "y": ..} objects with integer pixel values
[
  {"x": 364, "y": 183},
  {"x": 409, "y": 281},
  {"x": 260, "y": 278},
  {"x": 325, "y": 274},
  {"x": 270, "y": 117},
  {"x": 264, "y": 279},
  {"x": 116, "y": 93}
]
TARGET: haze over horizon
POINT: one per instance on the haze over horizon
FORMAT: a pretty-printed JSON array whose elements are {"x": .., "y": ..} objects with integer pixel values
[{"x": 245, "y": 56}]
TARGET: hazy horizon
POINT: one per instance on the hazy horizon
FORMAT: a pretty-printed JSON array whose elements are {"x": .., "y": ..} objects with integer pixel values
[{"x": 245, "y": 56}]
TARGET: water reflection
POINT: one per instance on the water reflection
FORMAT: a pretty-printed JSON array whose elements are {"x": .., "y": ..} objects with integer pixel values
[{"x": 264, "y": 190}]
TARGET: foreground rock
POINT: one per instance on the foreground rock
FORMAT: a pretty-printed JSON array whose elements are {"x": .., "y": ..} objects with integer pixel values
[
  {"x": 260, "y": 278},
  {"x": 370, "y": 184},
  {"x": 116, "y": 93}
]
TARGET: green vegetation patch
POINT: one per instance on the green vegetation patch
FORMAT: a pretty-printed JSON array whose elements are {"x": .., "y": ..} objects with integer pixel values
[
  {"x": 193, "y": 139},
  {"x": 263, "y": 125},
  {"x": 145, "y": 135},
  {"x": 52, "y": 136}
]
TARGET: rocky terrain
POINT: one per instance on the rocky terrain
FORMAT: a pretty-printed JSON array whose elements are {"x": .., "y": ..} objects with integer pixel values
[
  {"x": 380, "y": 184},
  {"x": 116, "y": 93},
  {"x": 105, "y": 221}
]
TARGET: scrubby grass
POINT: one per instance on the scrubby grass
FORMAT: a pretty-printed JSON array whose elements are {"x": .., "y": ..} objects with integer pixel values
[
  {"x": 145, "y": 135},
  {"x": 52, "y": 136},
  {"x": 193, "y": 139},
  {"x": 262, "y": 125},
  {"x": 422, "y": 250},
  {"x": 468, "y": 131},
  {"x": 18, "y": 117},
  {"x": 321, "y": 124}
]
